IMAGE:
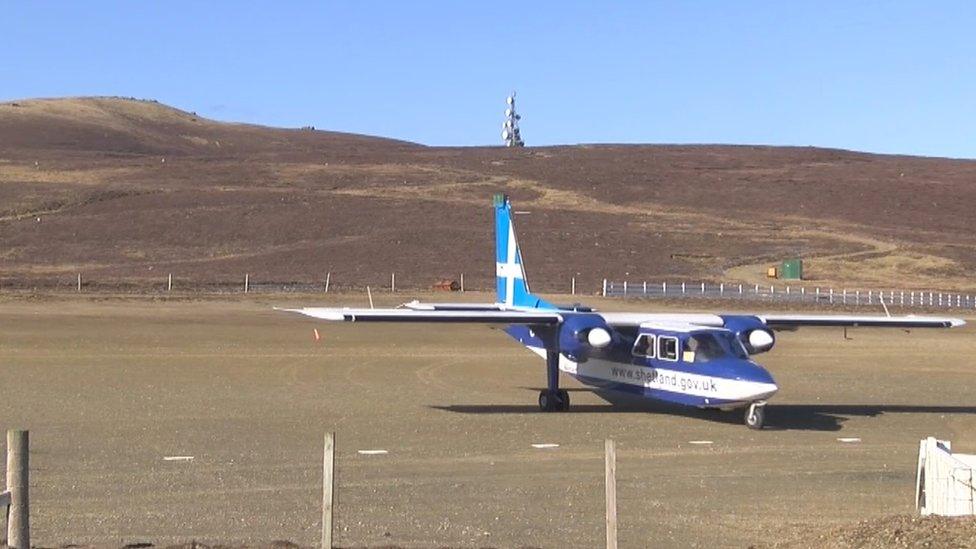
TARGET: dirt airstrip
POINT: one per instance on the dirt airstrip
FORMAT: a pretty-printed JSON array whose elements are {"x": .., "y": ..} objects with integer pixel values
[{"x": 171, "y": 421}]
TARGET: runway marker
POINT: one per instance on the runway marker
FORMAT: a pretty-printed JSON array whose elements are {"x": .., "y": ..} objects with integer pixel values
[
  {"x": 851, "y": 439},
  {"x": 177, "y": 458},
  {"x": 316, "y": 332},
  {"x": 545, "y": 445},
  {"x": 373, "y": 452},
  {"x": 699, "y": 442}
]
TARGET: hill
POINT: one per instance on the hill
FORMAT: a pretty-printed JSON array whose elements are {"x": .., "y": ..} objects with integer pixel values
[{"x": 129, "y": 190}]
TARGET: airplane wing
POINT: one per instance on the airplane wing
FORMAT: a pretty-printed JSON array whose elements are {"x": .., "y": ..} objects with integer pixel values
[
  {"x": 427, "y": 315},
  {"x": 787, "y": 321}
]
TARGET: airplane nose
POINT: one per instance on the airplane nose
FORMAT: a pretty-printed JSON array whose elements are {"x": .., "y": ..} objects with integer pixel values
[{"x": 763, "y": 384}]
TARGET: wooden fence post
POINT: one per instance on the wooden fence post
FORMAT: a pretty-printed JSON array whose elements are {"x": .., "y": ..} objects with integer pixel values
[
  {"x": 18, "y": 483},
  {"x": 328, "y": 489},
  {"x": 611, "y": 480}
]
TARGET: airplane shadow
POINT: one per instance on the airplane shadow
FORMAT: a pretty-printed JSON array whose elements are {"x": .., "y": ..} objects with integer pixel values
[{"x": 785, "y": 417}]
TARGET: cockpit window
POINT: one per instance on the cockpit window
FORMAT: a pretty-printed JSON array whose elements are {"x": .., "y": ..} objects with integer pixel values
[
  {"x": 667, "y": 348},
  {"x": 644, "y": 346},
  {"x": 707, "y": 347},
  {"x": 704, "y": 347}
]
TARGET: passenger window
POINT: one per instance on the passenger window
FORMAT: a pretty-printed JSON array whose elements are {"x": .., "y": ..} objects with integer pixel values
[
  {"x": 644, "y": 346},
  {"x": 667, "y": 348}
]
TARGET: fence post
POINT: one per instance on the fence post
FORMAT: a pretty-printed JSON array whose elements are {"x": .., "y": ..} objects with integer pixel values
[
  {"x": 902, "y": 297},
  {"x": 664, "y": 288},
  {"x": 845, "y": 296},
  {"x": 611, "y": 481},
  {"x": 18, "y": 483},
  {"x": 604, "y": 287},
  {"x": 682, "y": 287},
  {"x": 328, "y": 278},
  {"x": 462, "y": 283},
  {"x": 247, "y": 282},
  {"x": 79, "y": 282},
  {"x": 740, "y": 289},
  {"x": 328, "y": 489},
  {"x": 573, "y": 286},
  {"x": 703, "y": 288},
  {"x": 169, "y": 283},
  {"x": 721, "y": 288},
  {"x": 625, "y": 288},
  {"x": 857, "y": 297},
  {"x": 392, "y": 283}
]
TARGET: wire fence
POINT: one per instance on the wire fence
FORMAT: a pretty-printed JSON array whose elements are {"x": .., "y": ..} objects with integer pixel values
[{"x": 796, "y": 294}]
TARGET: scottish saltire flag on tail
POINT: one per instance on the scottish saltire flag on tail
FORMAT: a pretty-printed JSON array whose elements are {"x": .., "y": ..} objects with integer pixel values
[{"x": 511, "y": 286}]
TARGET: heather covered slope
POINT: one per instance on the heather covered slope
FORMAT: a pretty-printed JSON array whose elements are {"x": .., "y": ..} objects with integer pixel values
[{"x": 131, "y": 190}]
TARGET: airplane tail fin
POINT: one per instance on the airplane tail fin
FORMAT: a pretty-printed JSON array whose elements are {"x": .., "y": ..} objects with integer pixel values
[{"x": 512, "y": 288}]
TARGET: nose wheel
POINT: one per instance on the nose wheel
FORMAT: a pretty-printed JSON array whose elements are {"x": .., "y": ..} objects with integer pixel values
[
  {"x": 554, "y": 401},
  {"x": 756, "y": 414}
]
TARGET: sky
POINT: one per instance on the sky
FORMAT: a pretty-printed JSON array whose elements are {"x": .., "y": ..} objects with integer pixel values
[{"x": 890, "y": 77}]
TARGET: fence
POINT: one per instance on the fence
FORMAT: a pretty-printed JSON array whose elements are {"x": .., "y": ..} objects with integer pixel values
[
  {"x": 795, "y": 294},
  {"x": 16, "y": 499}
]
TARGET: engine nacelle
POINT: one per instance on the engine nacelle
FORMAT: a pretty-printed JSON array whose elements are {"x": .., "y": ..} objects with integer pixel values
[
  {"x": 755, "y": 336},
  {"x": 582, "y": 334}
]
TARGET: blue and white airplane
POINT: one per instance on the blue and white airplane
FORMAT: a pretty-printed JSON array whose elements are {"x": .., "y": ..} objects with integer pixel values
[{"x": 701, "y": 360}]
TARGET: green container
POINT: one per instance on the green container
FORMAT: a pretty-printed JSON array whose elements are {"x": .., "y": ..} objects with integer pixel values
[{"x": 791, "y": 269}]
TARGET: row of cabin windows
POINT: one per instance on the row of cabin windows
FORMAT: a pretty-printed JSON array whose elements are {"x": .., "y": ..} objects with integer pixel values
[{"x": 666, "y": 348}]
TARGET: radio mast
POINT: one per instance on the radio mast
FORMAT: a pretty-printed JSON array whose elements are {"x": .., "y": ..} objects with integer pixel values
[{"x": 510, "y": 128}]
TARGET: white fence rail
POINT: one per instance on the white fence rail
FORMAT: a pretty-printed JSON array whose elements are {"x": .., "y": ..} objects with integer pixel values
[{"x": 818, "y": 295}]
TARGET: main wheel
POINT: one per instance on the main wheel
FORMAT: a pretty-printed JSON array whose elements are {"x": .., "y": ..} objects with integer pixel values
[
  {"x": 755, "y": 415},
  {"x": 563, "y": 400},
  {"x": 554, "y": 401},
  {"x": 547, "y": 401}
]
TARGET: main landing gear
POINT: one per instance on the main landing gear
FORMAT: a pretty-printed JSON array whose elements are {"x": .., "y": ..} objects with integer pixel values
[
  {"x": 552, "y": 398},
  {"x": 554, "y": 401},
  {"x": 756, "y": 414}
]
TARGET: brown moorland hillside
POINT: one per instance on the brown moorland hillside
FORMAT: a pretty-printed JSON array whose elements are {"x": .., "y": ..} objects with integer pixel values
[{"x": 130, "y": 190}]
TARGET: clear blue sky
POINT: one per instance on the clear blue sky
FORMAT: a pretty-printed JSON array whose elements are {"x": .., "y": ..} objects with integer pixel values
[{"x": 877, "y": 76}]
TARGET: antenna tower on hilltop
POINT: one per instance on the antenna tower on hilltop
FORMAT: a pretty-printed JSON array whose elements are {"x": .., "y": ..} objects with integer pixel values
[{"x": 510, "y": 128}]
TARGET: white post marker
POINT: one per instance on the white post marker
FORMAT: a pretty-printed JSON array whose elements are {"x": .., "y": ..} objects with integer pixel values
[
  {"x": 369, "y": 294},
  {"x": 392, "y": 283},
  {"x": 247, "y": 282},
  {"x": 328, "y": 278},
  {"x": 573, "y": 286},
  {"x": 169, "y": 283},
  {"x": 79, "y": 282},
  {"x": 604, "y": 287},
  {"x": 462, "y": 283}
]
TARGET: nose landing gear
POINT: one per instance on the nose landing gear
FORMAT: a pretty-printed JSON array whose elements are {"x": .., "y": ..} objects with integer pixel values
[{"x": 756, "y": 414}]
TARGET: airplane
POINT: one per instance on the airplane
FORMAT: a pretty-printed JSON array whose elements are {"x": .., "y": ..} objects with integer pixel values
[{"x": 700, "y": 360}]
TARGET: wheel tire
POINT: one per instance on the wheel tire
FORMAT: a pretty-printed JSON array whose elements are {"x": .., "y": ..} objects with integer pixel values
[
  {"x": 563, "y": 400},
  {"x": 544, "y": 401},
  {"x": 755, "y": 416}
]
